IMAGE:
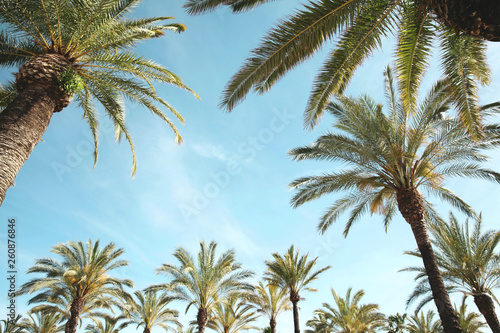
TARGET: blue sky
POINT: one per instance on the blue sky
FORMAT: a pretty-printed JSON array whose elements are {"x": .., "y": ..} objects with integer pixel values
[{"x": 227, "y": 182}]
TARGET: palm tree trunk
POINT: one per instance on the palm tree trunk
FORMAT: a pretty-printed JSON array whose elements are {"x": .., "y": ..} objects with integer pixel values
[
  {"x": 411, "y": 206},
  {"x": 202, "y": 319},
  {"x": 272, "y": 324},
  {"x": 22, "y": 125},
  {"x": 147, "y": 330},
  {"x": 486, "y": 306},
  {"x": 295, "y": 298},
  {"x": 75, "y": 312}
]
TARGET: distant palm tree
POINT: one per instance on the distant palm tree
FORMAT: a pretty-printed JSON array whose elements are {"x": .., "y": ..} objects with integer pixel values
[
  {"x": 348, "y": 316},
  {"x": 396, "y": 323},
  {"x": 469, "y": 263},
  {"x": 83, "y": 277},
  {"x": 424, "y": 323},
  {"x": 355, "y": 29},
  {"x": 321, "y": 323},
  {"x": 393, "y": 156},
  {"x": 152, "y": 310},
  {"x": 39, "y": 322},
  {"x": 111, "y": 324},
  {"x": 271, "y": 300},
  {"x": 469, "y": 321},
  {"x": 63, "y": 54},
  {"x": 233, "y": 316},
  {"x": 293, "y": 273},
  {"x": 206, "y": 282},
  {"x": 11, "y": 325}
]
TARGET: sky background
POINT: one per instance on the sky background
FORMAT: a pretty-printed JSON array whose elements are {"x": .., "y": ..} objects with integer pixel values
[{"x": 227, "y": 182}]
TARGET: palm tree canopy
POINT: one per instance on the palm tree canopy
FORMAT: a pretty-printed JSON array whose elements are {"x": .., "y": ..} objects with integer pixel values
[
  {"x": 111, "y": 324},
  {"x": 208, "y": 280},
  {"x": 348, "y": 316},
  {"x": 39, "y": 322},
  {"x": 233, "y": 316},
  {"x": 403, "y": 148},
  {"x": 271, "y": 300},
  {"x": 152, "y": 310},
  {"x": 357, "y": 28},
  {"x": 82, "y": 274},
  {"x": 292, "y": 271},
  {"x": 466, "y": 256},
  {"x": 424, "y": 323},
  {"x": 98, "y": 46},
  {"x": 469, "y": 321}
]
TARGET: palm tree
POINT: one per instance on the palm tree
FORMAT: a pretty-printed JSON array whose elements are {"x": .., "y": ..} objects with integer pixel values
[
  {"x": 11, "y": 325},
  {"x": 396, "y": 323},
  {"x": 468, "y": 263},
  {"x": 152, "y": 310},
  {"x": 293, "y": 273},
  {"x": 393, "y": 157},
  {"x": 39, "y": 322},
  {"x": 359, "y": 27},
  {"x": 207, "y": 282},
  {"x": 469, "y": 322},
  {"x": 271, "y": 300},
  {"x": 63, "y": 54},
  {"x": 321, "y": 323},
  {"x": 233, "y": 316},
  {"x": 348, "y": 316},
  {"x": 111, "y": 324},
  {"x": 82, "y": 277},
  {"x": 424, "y": 323}
]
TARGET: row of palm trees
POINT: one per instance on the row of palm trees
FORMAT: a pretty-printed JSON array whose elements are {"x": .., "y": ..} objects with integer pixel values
[{"x": 80, "y": 286}]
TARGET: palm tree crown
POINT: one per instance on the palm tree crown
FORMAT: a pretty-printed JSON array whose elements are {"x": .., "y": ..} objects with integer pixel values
[
  {"x": 111, "y": 324},
  {"x": 207, "y": 282},
  {"x": 271, "y": 300},
  {"x": 348, "y": 316},
  {"x": 393, "y": 157},
  {"x": 82, "y": 277},
  {"x": 233, "y": 316},
  {"x": 469, "y": 263},
  {"x": 359, "y": 28},
  {"x": 39, "y": 322},
  {"x": 424, "y": 323},
  {"x": 151, "y": 310},
  {"x": 64, "y": 54},
  {"x": 293, "y": 273}
]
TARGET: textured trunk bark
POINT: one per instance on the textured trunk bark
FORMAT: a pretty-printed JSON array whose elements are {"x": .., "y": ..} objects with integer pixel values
[
  {"x": 22, "y": 125},
  {"x": 486, "y": 306},
  {"x": 411, "y": 206},
  {"x": 75, "y": 311},
  {"x": 295, "y": 298},
  {"x": 202, "y": 319},
  {"x": 147, "y": 330},
  {"x": 272, "y": 324}
]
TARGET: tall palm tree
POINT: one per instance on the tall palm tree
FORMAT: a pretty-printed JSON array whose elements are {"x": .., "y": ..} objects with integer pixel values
[
  {"x": 233, "y": 316},
  {"x": 468, "y": 262},
  {"x": 39, "y": 322},
  {"x": 111, "y": 324},
  {"x": 396, "y": 323},
  {"x": 469, "y": 321},
  {"x": 293, "y": 273},
  {"x": 152, "y": 310},
  {"x": 358, "y": 28},
  {"x": 348, "y": 316},
  {"x": 82, "y": 276},
  {"x": 206, "y": 282},
  {"x": 393, "y": 157},
  {"x": 271, "y": 300},
  {"x": 63, "y": 54},
  {"x": 424, "y": 323}
]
